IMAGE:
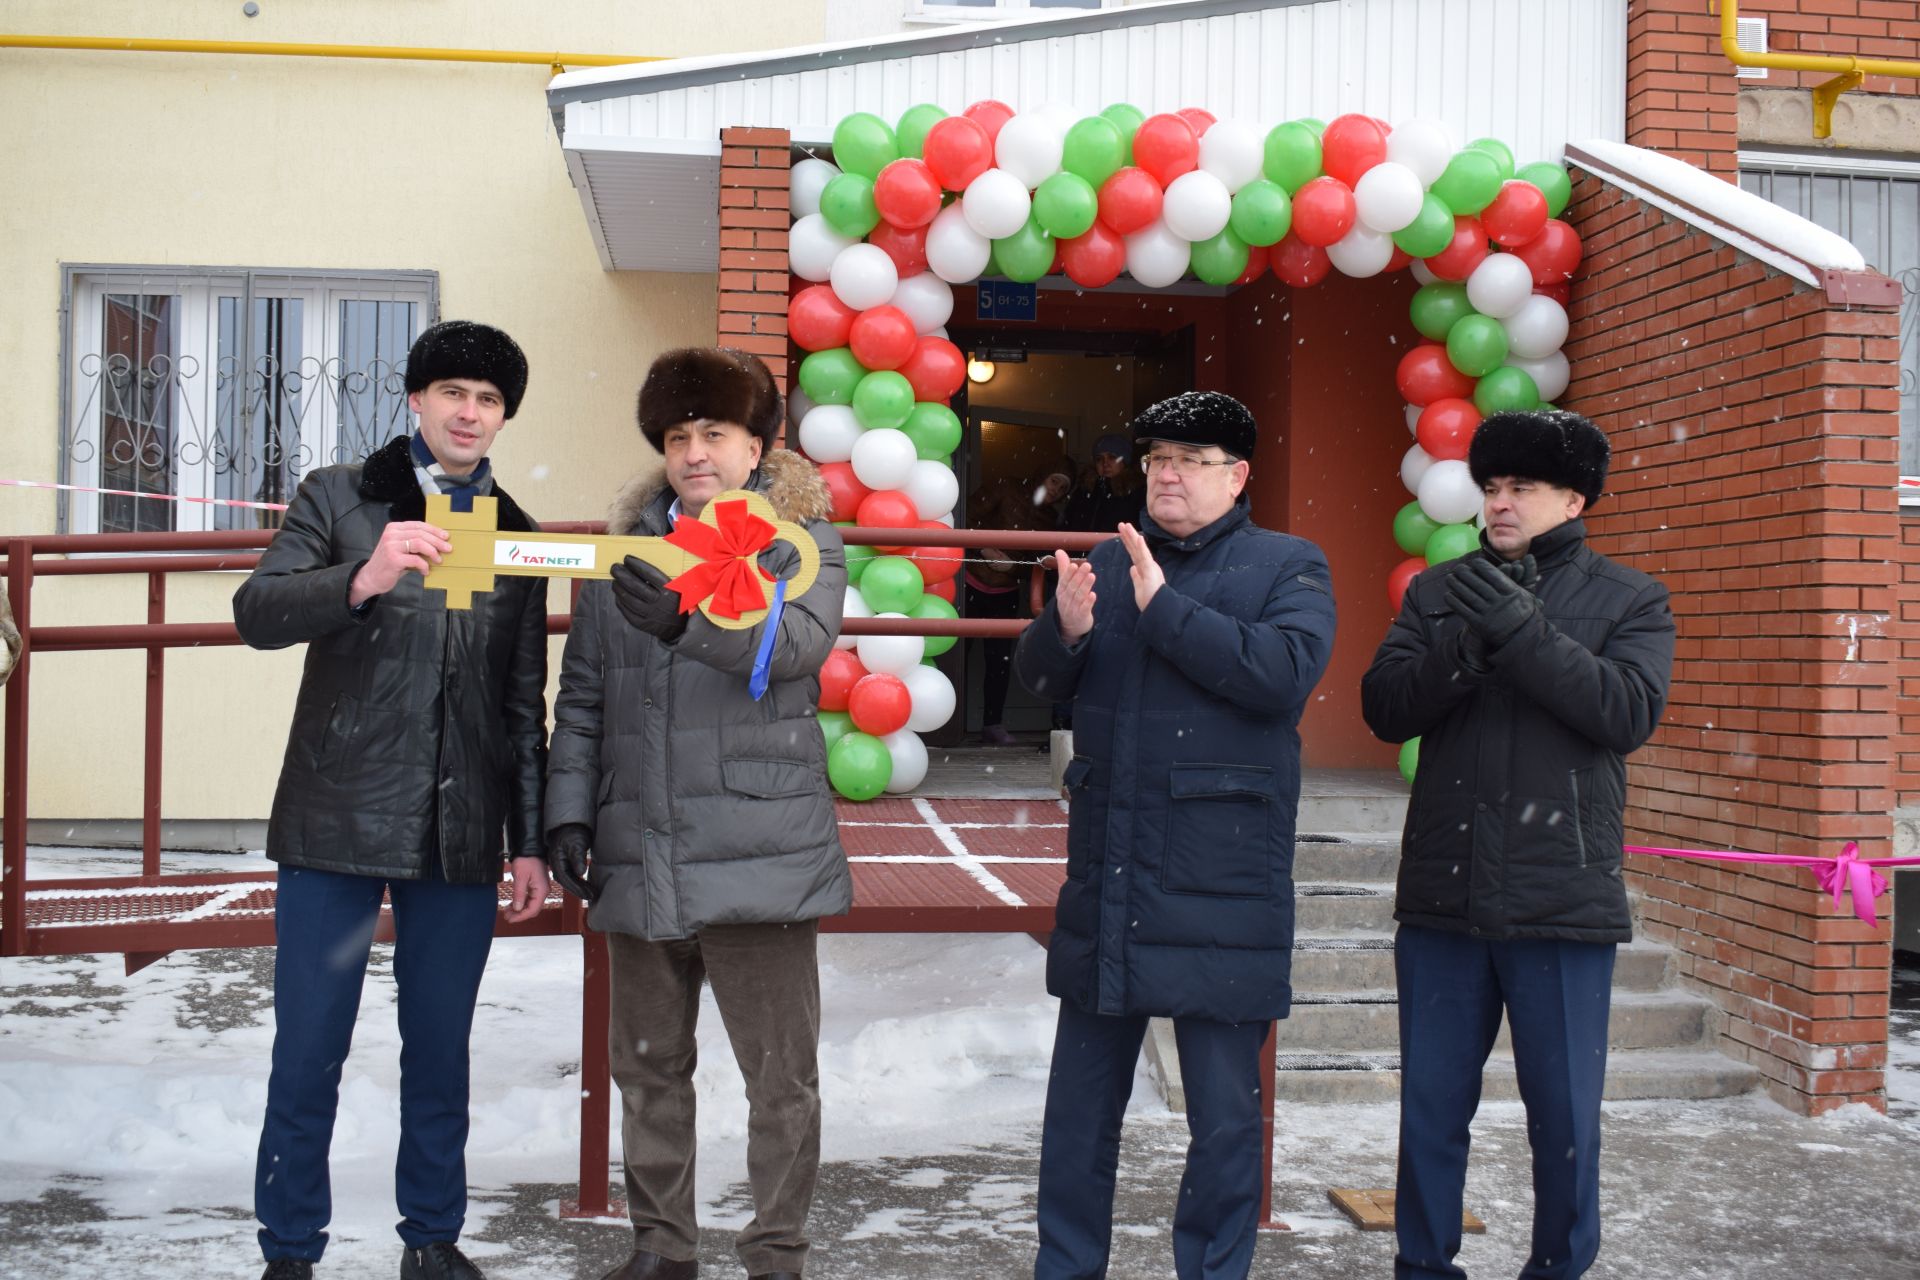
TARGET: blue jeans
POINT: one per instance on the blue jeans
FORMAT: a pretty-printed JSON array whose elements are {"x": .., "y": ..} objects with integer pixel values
[
  {"x": 1556, "y": 995},
  {"x": 324, "y": 925}
]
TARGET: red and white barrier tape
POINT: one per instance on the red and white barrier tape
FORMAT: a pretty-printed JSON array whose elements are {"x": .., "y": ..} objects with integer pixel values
[{"x": 153, "y": 497}]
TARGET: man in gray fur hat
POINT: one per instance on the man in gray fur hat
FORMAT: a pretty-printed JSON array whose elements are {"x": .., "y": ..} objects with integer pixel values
[
  {"x": 706, "y": 811},
  {"x": 1529, "y": 670}
]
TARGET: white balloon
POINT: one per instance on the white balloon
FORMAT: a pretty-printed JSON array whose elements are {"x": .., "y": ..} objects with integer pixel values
[
  {"x": 1232, "y": 152},
  {"x": 852, "y": 605},
  {"x": 812, "y": 246},
  {"x": 946, "y": 519},
  {"x": 1447, "y": 492},
  {"x": 1423, "y": 146},
  {"x": 1500, "y": 286},
  {"x": 933, "y": 698},
  {"x": 804, "y": 185},
  {"x": 940, "y": 332},
  {"x": 1550, "y": 373},
  {"x": 1388, "y": 197},
  {"x": 933, "y": 487},
  {"x": 927, "y": 300},
  {"x": 1413, "y": 419},
  {"x": 1361, "y": 252},
  {"x": 863, "y": 276},
  {"x": 893, "y": 654},
  {"x": 1156, "y": 257},
  {"x": 1029, "y": 147},
  {"x": 1197, "y": 205},
  {"x": 1538, "y": 329},
  {"x": 1413, "y": 466},
  {"x": 883, "y": 458},
  {"x": 909, "y": 760},
  {"x": 829, "y": 432},
  {"x": 996, "y": 204},
  {"x": 955, "y": 251},
  {"x": 799, "y": 405},
  {"x": 1422, "y": 272}
]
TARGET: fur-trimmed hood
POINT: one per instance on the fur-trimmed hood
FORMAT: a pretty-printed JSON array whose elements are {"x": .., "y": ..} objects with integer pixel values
[{"x": 791, "y": 483}]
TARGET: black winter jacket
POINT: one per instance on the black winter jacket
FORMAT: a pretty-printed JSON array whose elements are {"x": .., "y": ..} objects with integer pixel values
[
  {"x": 1514, "y": 830},
  {"x": 419, "y": 731}
]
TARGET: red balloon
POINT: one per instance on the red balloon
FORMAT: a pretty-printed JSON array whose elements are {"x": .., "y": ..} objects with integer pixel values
[
  {"x": 887, "y": 509},
  {"x": 879, "y": 703},
  {"x": 1129, "y": 202},
  {"x": 1561, "y": 293},
  {"x": 1298, "y": 263},
  {"x": 906, "y": 246},
  {"x": 1399, "y": 260},
  {"x": 937, "y": 564},
  {"x": 838, "y": 675},
  {"x": 1553, "y": 254},
  {"x": 817, "y": 320},
  {"x": 1468, "y": 250},
  {"x": 1397, "y": 583},
  {"x": 1097, "y": 257},
  {"x": 935, "y": 369},
  {"x": 945, "y": 590},
  {"x": 882, "y": 338},
  {"x": 1199, "y": 119},
  {"x": 1446, "y": 428},
  {"x": 844, "y": 488},
  {"x": 1323, "y": 211},
  {"x": 1166, "y": 147},
  {"x": 958, "y": 149},
  {"x": 1426, "y": 375},
  {"x": 1258, "y": 256},
  {"x": 906, "y": 193},
  {"x": 1517, "y": 214},
  {"x": 990, "y": 114},
  {"x": 1350, "y": 145}
]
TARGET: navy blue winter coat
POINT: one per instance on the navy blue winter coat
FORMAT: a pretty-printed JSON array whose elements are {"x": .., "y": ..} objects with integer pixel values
[{"x": 1182, "y": 793}]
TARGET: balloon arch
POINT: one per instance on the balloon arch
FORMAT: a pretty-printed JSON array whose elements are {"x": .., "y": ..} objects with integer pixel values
[{"x": 907, "y": 211}]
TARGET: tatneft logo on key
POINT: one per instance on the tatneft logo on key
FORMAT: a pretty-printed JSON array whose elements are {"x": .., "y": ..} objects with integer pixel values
[{"x": 543, "y": 555}]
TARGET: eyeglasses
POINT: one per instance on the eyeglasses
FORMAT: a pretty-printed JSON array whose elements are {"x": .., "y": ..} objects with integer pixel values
[{"x": 1181, "y": 464}]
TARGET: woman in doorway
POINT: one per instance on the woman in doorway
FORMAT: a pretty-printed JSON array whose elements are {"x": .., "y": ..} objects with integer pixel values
[{"x": 994, "y": 590}]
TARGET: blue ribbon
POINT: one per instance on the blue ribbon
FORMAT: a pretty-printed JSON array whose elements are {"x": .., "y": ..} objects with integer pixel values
[{"x": 763, "y": 660}]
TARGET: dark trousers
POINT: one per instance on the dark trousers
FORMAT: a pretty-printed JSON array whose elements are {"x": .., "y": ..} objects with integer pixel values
[
  {"x": 1556, "y": 996},
  {"x": 996, "y": 655},
  {"x": 324, "y": 924},
  {"x": 1216, "y": 1217}
]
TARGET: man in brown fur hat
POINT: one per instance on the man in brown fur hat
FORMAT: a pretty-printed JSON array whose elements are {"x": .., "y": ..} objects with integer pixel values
[{"x": 706, "y": 809}]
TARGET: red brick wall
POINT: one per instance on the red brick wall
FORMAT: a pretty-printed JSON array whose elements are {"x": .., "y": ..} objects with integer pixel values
[
  {"x": 1755, "y": 431},
  {"x": 754, "y": 169}
]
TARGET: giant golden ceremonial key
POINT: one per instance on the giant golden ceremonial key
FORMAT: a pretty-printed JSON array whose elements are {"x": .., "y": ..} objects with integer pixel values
[{"x": 712, "y": 562}]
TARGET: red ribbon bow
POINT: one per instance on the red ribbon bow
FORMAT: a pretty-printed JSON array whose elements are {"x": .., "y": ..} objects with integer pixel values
[{"x": 728, "y": 550}]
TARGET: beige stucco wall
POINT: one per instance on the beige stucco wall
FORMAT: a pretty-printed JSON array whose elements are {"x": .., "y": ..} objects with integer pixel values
[{"x": 309, "y": 163}]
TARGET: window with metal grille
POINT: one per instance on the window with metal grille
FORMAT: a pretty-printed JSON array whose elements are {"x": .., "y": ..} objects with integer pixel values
[{"x": 194, "y": 392}]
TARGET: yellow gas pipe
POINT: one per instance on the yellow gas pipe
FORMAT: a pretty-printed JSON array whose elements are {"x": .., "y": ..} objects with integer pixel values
[
  {"x": 1852, "y": 70},
  {"x": 556, "y": 61}
]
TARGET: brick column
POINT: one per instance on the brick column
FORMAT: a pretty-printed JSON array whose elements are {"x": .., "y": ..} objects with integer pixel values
[
  {"x": 1755, "y": 443},
  {"x": 754, "y": 166}
]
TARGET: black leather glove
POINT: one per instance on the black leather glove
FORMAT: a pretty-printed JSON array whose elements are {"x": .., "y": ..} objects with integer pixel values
[
  {"x": 567, "y": 847},
  {"x": 1523, "y": 571},
  {"x": 640, "y": 590},
  {"x": 1494, "y": 606}
]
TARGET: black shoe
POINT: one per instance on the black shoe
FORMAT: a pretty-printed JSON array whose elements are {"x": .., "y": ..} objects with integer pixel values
[
  {"x": 437, "y": 1261},
  {"x": 288, "y": 1269},
  {"x": 644, "y": 1265}
]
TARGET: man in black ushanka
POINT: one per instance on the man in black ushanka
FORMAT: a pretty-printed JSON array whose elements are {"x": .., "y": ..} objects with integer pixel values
[{"x": 1529, "y": 669}]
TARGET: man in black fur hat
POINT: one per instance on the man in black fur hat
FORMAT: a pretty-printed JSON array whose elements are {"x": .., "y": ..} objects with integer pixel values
[
  {"x": 416, "y": 758},
  {"x": 1529, "y": 670},
  {"x": 688, "y": 761}
]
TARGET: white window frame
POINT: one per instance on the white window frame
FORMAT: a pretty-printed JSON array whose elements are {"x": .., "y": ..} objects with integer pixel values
[
  {"x": 194, "y": 407},
  {"x": 931, "y": 11}
]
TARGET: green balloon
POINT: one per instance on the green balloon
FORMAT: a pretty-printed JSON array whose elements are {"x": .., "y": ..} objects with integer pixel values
[
  {"x": 892, "y": 584},
  {"x": 1262, "y": 212},
  {"x": 834, "y": 725},
  {"x": 1430, "y": 232},
  {"x": 863, "y": 144},
  {"x": 1411, "y": 529},
  {"x": 932, "y": 608},
  {"x": 911, "y": 133},
  {"x": 829, "y": 377},
  {"x": 1451, "y": 541},
  {"x": 858, "y": 766},
  {"x": 1293, "y": 155},
  {"x": 1476, "y": 345},
  {"x": 934, "y": 430},
  {"x": 1552, "y": 181},
  {"x": 883, "y": 398},
  {"x": 1502, "y": 154},
  {"x": 847, "y": 205},
  {"x": 1094, "y": 149},
  {"x": 857, "y": 561},
  {"x": 1506, "y": 388},
  {"x": 1129, "y": 118},
  {"x": 1437, "y": 306},
  {"x": 993, "y": 267},
  {"x": 1409, "y": 759},
  {"x": 1027, "y": 254},
  {"x": 1471, "y": 181},
  {"x": 1220, "y": 260},
  {"x": 1066, "y": 205}
]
